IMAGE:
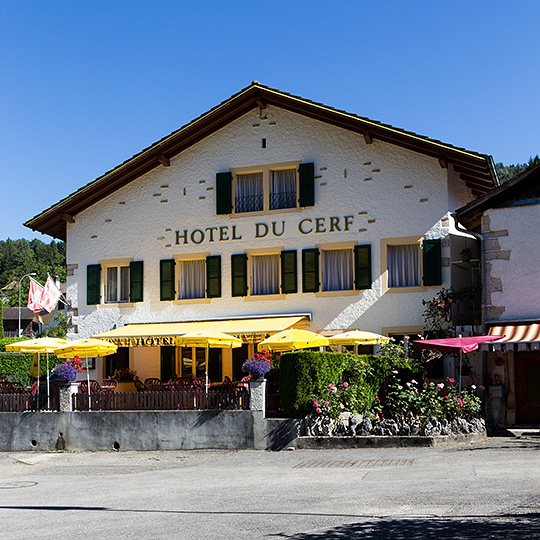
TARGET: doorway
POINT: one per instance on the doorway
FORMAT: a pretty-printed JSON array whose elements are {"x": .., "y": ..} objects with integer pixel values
[{"x": 527, "y": 369}]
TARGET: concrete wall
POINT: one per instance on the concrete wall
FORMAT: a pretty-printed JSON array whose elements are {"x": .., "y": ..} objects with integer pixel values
[
  {"x": 389, "y": 192},
  {"x": 144, "y": 430}
]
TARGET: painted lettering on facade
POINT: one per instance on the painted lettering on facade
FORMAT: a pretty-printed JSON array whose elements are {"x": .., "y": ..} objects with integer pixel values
[{"x": 227, "y": 233}]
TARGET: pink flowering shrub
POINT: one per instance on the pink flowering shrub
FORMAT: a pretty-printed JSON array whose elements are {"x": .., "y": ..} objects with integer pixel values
[{"x": 334, "y": 400}]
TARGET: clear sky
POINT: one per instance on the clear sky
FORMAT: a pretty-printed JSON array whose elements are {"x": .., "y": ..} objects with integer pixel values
[{"x": 86, "y": 85}]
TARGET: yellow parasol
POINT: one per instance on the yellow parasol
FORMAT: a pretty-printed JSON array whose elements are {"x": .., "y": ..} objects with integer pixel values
[
  {"x": 86, "y": 348},
  {"x": 357, "y": 337},
  {"x": 208, "y": 339},
  {"x": 36, "y": 346},
  {"x": 291, "y": 340}
]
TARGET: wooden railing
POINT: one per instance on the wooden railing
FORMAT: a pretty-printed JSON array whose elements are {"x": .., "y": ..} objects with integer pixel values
[
  {"x": 26, "y": 401},
  {"x": 234, "y": 399}
]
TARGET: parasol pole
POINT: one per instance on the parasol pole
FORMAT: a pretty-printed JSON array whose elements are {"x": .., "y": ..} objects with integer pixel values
[
  {"x": 206, "y": 364},
  {"x": 460, "y": 365},
  {"x": 88, "y": 385},
  {"x": 48, "y": 389}
]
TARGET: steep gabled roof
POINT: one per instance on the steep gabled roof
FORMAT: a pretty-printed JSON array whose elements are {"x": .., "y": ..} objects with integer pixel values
[
  {"x": 475, "y": 169},
  {"x": 520, "y": 190}
]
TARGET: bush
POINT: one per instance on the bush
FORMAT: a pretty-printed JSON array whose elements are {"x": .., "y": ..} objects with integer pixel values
[
  {"x": 306, "y": 376},
  {"x": 16, "y": 366}
]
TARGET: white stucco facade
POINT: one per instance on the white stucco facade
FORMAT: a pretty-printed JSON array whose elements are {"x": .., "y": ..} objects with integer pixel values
[{"x": 373, "y": 191}]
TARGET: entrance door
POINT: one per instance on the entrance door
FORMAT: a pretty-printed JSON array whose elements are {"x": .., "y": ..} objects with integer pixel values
[{"x": 528, "y": 387}]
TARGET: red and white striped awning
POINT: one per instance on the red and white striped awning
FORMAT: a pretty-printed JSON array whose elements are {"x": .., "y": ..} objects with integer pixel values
[{"x": 516, "y": 333}]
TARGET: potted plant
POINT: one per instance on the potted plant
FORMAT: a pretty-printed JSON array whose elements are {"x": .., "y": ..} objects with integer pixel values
[
  {"x": 259, "y": 365},
  {"x": 466, "y": 254}
]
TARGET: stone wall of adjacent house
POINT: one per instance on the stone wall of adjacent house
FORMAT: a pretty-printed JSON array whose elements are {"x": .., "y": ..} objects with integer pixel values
[
  {"x": 144, "y": 430},
  {"x": 511, "y": 247}
]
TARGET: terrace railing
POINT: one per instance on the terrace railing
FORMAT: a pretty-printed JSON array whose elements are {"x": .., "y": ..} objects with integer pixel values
[
  {"x": 25, "y": 401},
  {"x": 214, "y": 399}
]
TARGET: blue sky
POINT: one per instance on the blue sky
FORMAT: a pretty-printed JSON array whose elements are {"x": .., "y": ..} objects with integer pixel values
[{"x": 86, "y": 85}]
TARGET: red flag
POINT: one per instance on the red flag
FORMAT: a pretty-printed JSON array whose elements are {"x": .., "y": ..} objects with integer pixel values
[
  {"x": 51, "y": 295},
  {"x": 34, "y": 296}
]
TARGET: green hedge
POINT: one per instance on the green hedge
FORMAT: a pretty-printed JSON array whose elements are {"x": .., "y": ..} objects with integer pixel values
[
  {"x": 16, "y": 366},
  {"x": 305, "y": 374}
]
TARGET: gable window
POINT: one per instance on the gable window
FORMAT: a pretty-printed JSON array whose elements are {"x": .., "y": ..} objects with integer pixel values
[
  {"x": 249, "y": 195},
  {"x": 404, "y": 265},
  {"x": 265, "y": 188},
  {"x": 283, "y": 189},
  {"x": 337, "y": 269}
]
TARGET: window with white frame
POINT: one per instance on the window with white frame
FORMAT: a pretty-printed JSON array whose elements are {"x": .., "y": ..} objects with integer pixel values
[
  {"x": 265, "y": 274},
  {"x": 117, "y": 284},
  {"x": 404, "y": 266},
  {"x": 191, "y": 279},
  {"x": 283, "y": 189},
  {"x": 337, "y": 269}
]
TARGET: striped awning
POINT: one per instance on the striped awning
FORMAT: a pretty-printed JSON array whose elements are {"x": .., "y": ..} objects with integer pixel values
[{"x": 516, "y": 333}]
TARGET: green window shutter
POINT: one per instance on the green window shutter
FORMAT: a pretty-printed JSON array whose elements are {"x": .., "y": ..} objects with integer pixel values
[
  {"x": 166, "y": 279},
  {"x": 213, "y": 276},
  {"x": 223, "y": 193},
  {"x": 239, "y": 274},
  {"x": 136, "y": 281},
  {"x": 432, "y": 262},
  {"x": 307, "y": 184},
  {"x": 362, "y": 267},
  {"x": 310, "y": 270},
  {"x": 93, "y": 284},
  {"x": 289, "y": 278}
]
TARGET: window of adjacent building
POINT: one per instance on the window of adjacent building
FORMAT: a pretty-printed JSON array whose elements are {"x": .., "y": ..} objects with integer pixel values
[
  {"x": 265, "y": 188},
  {"x": 337, "y": 269}
]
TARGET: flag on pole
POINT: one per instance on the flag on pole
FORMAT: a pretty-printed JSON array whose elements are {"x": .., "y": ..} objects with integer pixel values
[
  {"x": 34, "y": 296},
  {"x": 50, "y": 296}
]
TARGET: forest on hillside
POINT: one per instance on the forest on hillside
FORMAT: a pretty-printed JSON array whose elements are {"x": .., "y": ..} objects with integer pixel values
[{"x": 21, "y": 257}]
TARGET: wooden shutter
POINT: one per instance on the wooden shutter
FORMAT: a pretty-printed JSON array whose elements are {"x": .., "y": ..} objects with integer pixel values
[
  {"x": 93, "y": 284},
  {"x": 310, "y": 270},
  {"x": 223, "y": 193},
  {"x": 289, "y": 278},
  {"x": 213, "y": 276},
  {"x": 239, "y": 274},
  {"x": 166, "y": 279},
  {"x": 307, "y": 184},
  {"x": 432, "y": 262},
  {"x": 136, "y": 281},
  {"x": 362, "y": 267}
]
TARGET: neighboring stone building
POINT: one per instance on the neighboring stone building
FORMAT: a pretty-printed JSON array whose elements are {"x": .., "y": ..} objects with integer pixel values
[
  {"x": 266, "y": 212},
  {"x": 507, "y": 220}
]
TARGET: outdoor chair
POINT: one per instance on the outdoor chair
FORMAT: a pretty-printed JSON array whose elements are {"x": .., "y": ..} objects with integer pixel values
[
  {"x": 199, "y": 383},
  {"x": 95, "y": 387},
  {"x": 153, "y": 385},
  {"x": 139, "y": 385},
  {"x": 109, "y": 385}
]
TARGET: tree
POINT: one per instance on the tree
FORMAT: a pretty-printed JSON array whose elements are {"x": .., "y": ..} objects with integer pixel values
[{"x": 507, "y": 172}]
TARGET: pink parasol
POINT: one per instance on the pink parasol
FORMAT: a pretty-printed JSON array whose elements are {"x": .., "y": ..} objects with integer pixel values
[{"x": 454, "y": 346}]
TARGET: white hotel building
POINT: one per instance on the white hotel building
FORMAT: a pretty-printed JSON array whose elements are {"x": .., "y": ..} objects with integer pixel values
[{"x": 266, "y": 212}]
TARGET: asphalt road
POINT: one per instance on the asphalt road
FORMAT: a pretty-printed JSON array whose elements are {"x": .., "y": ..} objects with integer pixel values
[{"x": 482, "y": 490}]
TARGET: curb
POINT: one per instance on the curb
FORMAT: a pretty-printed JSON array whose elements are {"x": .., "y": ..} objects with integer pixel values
[{"x": 374, "y": 441}]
